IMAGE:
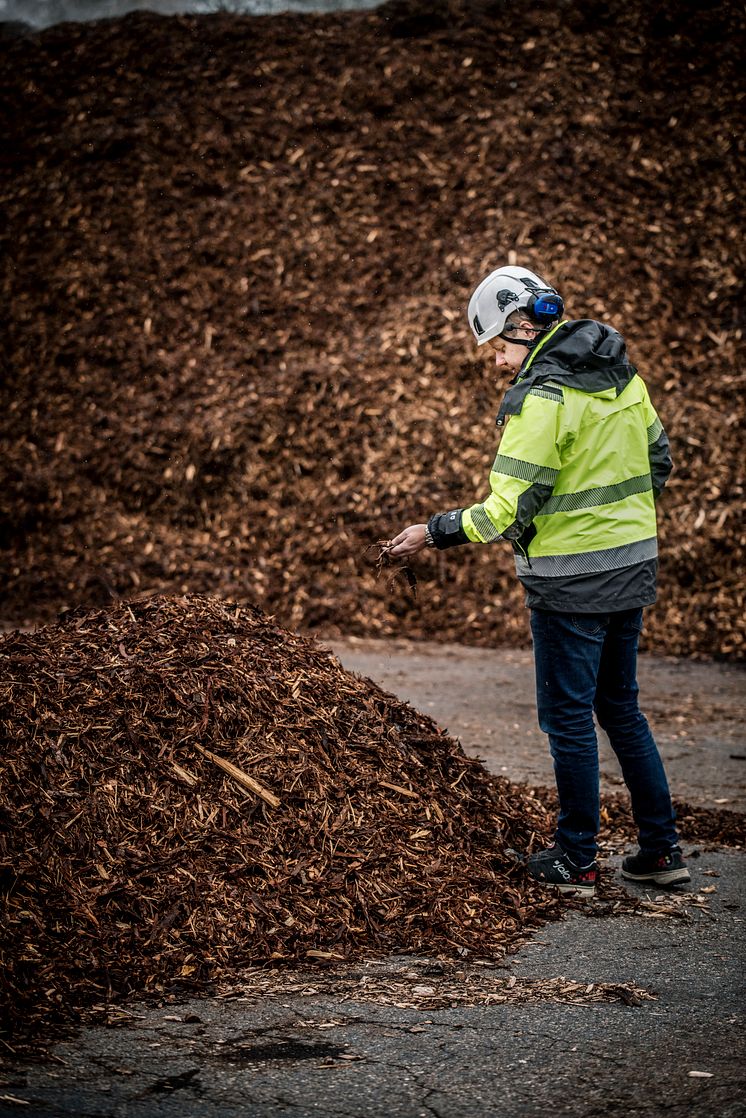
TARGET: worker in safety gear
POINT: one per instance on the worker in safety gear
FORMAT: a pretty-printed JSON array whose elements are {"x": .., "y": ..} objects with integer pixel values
[{"x": 582, "y": 460}]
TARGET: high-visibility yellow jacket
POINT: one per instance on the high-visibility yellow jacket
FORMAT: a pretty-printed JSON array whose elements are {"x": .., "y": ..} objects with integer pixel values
[{"x": 573, "y": 487}]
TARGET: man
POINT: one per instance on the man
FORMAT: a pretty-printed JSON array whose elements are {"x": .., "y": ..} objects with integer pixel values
[{"x": 573, "y": 487}]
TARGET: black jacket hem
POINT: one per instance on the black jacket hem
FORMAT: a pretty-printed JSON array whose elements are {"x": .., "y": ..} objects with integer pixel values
[{"x": 607, "y": 592}]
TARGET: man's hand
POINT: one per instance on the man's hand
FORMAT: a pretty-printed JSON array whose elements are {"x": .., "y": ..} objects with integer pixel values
[{"x": 408, "y": 542}]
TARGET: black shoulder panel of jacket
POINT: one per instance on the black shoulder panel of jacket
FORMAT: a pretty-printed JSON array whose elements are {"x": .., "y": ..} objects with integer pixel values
[
  {"x": 446, "y": 530},
  {"x": 583, "y": 354}
]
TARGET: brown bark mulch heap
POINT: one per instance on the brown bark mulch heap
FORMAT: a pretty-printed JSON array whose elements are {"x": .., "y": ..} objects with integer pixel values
[
  {"x": 236, "y": 259},
  {"x": 187, "y": 788},
  {"x": 714, "y": 828}
]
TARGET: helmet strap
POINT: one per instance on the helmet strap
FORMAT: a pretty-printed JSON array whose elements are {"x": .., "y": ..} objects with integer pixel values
[{"x": 529, "y": 343}]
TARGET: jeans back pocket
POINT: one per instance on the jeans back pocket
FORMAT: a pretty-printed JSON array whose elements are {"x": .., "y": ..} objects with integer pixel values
[{"x": 590, "y": 624}]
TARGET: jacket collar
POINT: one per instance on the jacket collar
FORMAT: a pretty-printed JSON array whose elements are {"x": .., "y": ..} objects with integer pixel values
[{"x": 583, "y": 354}]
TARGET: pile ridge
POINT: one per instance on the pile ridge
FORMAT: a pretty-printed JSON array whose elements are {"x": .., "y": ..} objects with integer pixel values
[{"x": 187, "y": 788}]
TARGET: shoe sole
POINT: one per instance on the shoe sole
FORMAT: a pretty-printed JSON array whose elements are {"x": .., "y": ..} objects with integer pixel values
[
  {"x": 660, "y": 877},
  {"x": 584, "y": 892}
]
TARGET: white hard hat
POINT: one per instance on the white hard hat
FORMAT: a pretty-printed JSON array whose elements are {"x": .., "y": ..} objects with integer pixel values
[{"x": 512, "y": 289}]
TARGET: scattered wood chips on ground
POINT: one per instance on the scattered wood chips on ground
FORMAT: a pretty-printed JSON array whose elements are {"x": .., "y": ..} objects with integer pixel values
[{"x": 433, "y": 984}]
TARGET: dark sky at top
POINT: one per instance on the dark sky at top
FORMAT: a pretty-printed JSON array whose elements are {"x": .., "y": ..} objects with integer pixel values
[{"x": 44, "y": 13}]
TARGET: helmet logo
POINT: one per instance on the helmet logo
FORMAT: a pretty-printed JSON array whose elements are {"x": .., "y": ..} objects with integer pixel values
[{"x": 505, "y": 297}]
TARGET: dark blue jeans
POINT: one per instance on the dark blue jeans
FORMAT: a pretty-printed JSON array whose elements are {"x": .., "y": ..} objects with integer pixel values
[{"x": 585, "y": 663}]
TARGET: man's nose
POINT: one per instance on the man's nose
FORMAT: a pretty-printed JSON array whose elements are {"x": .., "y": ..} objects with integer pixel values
[{"x": 499, "y": 360}]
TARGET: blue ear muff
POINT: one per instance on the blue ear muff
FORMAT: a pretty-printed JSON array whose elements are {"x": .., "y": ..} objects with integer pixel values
[{"x": 546, "y": 309}]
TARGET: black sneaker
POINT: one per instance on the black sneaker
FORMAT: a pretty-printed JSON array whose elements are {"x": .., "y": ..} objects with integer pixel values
[
  {"x": 553, "y": 867},
  {"x": 665, "y": 867}
]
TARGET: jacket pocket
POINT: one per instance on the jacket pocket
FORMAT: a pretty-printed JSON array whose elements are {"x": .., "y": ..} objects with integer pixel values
[{"x": 521, "y": 545}]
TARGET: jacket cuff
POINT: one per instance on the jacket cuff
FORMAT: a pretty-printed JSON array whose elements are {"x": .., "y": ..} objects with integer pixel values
[{"x": 446, "y": 529}]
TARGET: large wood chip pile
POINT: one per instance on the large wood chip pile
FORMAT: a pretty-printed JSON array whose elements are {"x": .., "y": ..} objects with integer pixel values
[
  {"x": 235, "y": 266},
  {"x": 187, "y": 788}
]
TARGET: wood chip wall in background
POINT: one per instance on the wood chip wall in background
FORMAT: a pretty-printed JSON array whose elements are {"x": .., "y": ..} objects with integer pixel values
[{"x": 235, "y": 265}]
